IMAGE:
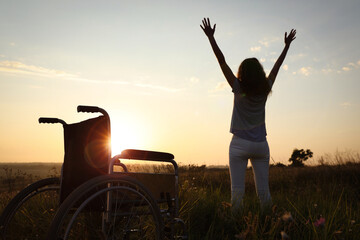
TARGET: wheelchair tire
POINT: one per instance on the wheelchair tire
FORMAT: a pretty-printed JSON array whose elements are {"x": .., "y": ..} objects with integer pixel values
[
  {"x": 108, "y": 207},
  {"x": 28, "y": 215}
]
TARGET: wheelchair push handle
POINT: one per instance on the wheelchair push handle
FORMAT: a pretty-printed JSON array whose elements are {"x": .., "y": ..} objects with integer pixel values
[
  {"x": 92, "y": 109},
  {"x": 51, "y": 120},
  {"x": 89, "y": 109}
]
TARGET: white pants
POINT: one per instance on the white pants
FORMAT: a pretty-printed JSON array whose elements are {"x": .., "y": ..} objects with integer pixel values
[{"x": 258, "y": 152}]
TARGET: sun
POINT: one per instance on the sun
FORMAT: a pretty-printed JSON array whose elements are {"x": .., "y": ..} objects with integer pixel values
[{"x": 123, "y": 137}]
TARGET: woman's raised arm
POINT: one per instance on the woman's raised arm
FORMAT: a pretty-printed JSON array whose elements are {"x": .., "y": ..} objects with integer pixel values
[
  {"x": 277, "y": 65},
  {"x": 209, "y": 32}
]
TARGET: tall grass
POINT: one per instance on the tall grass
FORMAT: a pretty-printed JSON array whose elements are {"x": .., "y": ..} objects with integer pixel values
[
  {"x": 320, "y": 202},
  {"x": 316, "y": 202}
]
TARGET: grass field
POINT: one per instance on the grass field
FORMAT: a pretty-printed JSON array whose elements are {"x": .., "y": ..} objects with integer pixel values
[
  {"x": 15, "y": 176},
  {"x": 309, "y": 203},
  {"x": 318, "y": 202}
]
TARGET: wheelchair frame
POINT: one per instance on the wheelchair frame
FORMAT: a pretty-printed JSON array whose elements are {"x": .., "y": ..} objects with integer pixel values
[{"x": 113, "y": 184}]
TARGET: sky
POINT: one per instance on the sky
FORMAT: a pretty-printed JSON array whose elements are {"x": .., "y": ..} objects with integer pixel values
[{"x": 149, "y": 64}]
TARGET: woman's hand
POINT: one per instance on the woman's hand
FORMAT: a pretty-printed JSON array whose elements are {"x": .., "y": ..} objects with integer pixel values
[
  {"x": 291, "y": 37},
  {"x": 277, "y": 65},
  {"x": 207, "y": 27}
]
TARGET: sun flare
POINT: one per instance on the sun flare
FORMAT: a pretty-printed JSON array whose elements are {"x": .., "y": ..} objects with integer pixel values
[{"x": 123, "y": 137}]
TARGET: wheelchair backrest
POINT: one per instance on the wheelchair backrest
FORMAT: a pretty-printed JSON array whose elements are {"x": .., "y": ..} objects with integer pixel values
[{"x": 87, "y": 153}]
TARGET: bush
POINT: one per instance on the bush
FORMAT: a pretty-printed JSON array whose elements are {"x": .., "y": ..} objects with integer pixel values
[{"x": 298, "y": 157}]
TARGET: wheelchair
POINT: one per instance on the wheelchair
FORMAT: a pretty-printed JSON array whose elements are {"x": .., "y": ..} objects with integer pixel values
[{"x": 97, "y": 196}]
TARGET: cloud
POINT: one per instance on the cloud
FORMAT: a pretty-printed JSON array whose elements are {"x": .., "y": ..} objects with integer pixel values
[
  {"x": 348, "y": 67},
  {"x": 15, "y": 67},
  {"x": 264, "y": 43},
  {"x": 267, "y": 41},
  {"x": 255, "y": 49},
  {"x": 219, "y": 87},
  {"x": 345, "y": 104},
  {"x": 262, "y": 60},
  {"x": 157, "y": 87},
  {"x": 21, "y": 68},
  {"x": 305, "y": 71},
  {"x": 327, "y": 70},
  {"x": 297, "y": 56},
  {"x": 285, "y": 67},
  {"x": 351, "y": 66},
  {"x": 194, "y": 80}
]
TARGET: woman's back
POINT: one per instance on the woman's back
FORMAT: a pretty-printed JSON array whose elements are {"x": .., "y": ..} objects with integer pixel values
[{"x": 248, "y": 117}]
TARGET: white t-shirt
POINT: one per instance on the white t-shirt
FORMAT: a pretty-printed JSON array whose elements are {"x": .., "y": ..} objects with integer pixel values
[{"x": 248, "y": 116}]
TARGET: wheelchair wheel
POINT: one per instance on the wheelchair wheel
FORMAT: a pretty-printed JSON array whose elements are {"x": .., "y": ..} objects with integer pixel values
[
  {"x": 108, "y": 207},
  {"x": 28, "y": 215}
]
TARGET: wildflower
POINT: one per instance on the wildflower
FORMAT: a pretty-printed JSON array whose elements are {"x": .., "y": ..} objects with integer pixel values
[
  {"x": 226, "y": 204},
  {"x": 320, "y": 222},
  {"x": 284, "y": 236},
  {"x": 274, "y": 209},
  {"x": 287, "y": 217}
]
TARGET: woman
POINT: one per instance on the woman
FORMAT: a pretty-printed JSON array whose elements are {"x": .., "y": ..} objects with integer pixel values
[{"x": 251, "y": 88}]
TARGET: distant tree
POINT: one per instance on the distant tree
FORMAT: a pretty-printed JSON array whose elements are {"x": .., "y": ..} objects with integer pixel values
[{"x": 298, "y": 157}]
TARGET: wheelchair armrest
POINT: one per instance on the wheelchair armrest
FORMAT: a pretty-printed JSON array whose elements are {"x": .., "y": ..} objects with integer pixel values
[{"x": 146, "y": 155}]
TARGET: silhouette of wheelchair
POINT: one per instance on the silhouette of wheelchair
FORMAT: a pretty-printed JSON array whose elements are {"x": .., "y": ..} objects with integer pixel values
[{"x": 97, "y": 197}]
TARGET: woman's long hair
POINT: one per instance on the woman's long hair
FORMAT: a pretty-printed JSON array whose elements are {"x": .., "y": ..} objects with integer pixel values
[{"x": 252, "y": 78}]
